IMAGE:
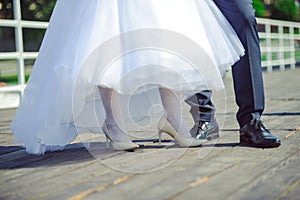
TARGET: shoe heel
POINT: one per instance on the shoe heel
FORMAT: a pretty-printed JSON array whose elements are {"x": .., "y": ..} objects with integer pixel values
[
  {"x": 105, "y": 131},
  {"x": 165, "y": 126},
  {"x": 126, "y": 145},
  {"x": 107, "y": 142},
  {"x": 159, "y": 137}
]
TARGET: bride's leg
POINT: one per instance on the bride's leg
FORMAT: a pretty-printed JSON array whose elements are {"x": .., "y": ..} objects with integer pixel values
[
  {"x": 114, "y": 119},
  {"x": 173, "y": 111}
]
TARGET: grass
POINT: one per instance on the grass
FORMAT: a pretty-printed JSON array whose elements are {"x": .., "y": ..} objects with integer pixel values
[
  {"x": 286, "y": 55},
  {"x": 12, "y": 79}
]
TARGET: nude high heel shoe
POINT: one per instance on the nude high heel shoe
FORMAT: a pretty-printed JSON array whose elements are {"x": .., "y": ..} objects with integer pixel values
[
  {"x": 164, "y": 126},
  {"x": 126, "y": 145}
]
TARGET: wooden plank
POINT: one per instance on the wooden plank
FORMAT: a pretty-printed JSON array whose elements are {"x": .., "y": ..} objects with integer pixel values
[
  {"x": 216, "y": 170},
  {"x": 254, "y": 164},
  {"x": 149, "y": 180},
  {"x": 267, "y": 185},
  {"x": 169, "y": 180},
  {"x": 178, "y": 175},
  {"x": 58, "y": 183}
]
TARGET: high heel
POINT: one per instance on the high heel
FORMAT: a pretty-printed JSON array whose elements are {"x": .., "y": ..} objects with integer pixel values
[
  {"x": 126, "y": 145},
  {"x": 164, "y": 126}
]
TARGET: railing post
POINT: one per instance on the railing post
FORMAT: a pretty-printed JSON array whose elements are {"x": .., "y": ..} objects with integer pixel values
[
  {"x": 281, "y": 47},
  {"x": 19, "y": 41},
  {"x": 292, "y": 46},
  {"x": 269, "y": 47}
]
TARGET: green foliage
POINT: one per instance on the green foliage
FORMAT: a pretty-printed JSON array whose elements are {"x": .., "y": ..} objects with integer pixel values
[
  {"x": 12, "y": 79},
  {"x": 284, "y": 10},
  {"x": 259, "y": 8},
  {"x": 37, "y": 10}
]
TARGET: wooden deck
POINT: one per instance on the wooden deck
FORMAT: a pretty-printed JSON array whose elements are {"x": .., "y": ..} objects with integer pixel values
[{"x": 219, "y": 170}]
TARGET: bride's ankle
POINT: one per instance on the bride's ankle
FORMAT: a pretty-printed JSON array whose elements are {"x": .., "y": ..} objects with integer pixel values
[
  {"x": 179, "y": 126},
  {"x": 115, "y": 133}
]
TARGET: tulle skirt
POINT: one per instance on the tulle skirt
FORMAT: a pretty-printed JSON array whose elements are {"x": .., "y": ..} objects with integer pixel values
[{"x": 131, "y": 46}]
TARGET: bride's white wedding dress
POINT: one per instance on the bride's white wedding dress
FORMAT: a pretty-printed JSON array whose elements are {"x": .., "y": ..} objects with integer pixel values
[{"x": 132, "y": 46}]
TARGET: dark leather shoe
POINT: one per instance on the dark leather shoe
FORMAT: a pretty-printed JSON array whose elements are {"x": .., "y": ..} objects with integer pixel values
[
  {"x": 206, "y": 130},
  {"x": 255, "y": 134}
]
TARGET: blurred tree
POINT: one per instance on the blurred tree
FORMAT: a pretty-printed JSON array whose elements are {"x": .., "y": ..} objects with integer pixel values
[
  {"x": 37, "y": 10},
  {"x": 6, "y": 9},
  {"x": 284, "y": 10},
  {"x": 259, "y": 8},
  {"x": 7, "y": 42}
]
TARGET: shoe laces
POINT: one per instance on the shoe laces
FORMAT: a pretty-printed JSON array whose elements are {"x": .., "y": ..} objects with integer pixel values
[
  {"x": 202, "y": 126},
  {"x": 257, "y": 124}
]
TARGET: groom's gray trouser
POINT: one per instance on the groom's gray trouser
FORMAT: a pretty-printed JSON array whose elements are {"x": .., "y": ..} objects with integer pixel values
[{"x": 247, "y": 72}]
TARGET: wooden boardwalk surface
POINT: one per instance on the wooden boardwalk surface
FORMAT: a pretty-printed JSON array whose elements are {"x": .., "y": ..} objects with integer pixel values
[{"x": 219, "y": 170}]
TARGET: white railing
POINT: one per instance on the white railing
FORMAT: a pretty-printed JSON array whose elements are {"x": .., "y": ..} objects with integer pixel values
[
  {"x": 279, "y": 42},
  {"x": 12, "y": 100},
  {"x": 278, "y": 48}
]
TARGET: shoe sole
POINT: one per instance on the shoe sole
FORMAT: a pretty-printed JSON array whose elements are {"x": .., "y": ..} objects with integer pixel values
[
  {"x": 249, "y": 142},
  {"x": 212, "y": 136},
  {"x": 118, "y": 148}
]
